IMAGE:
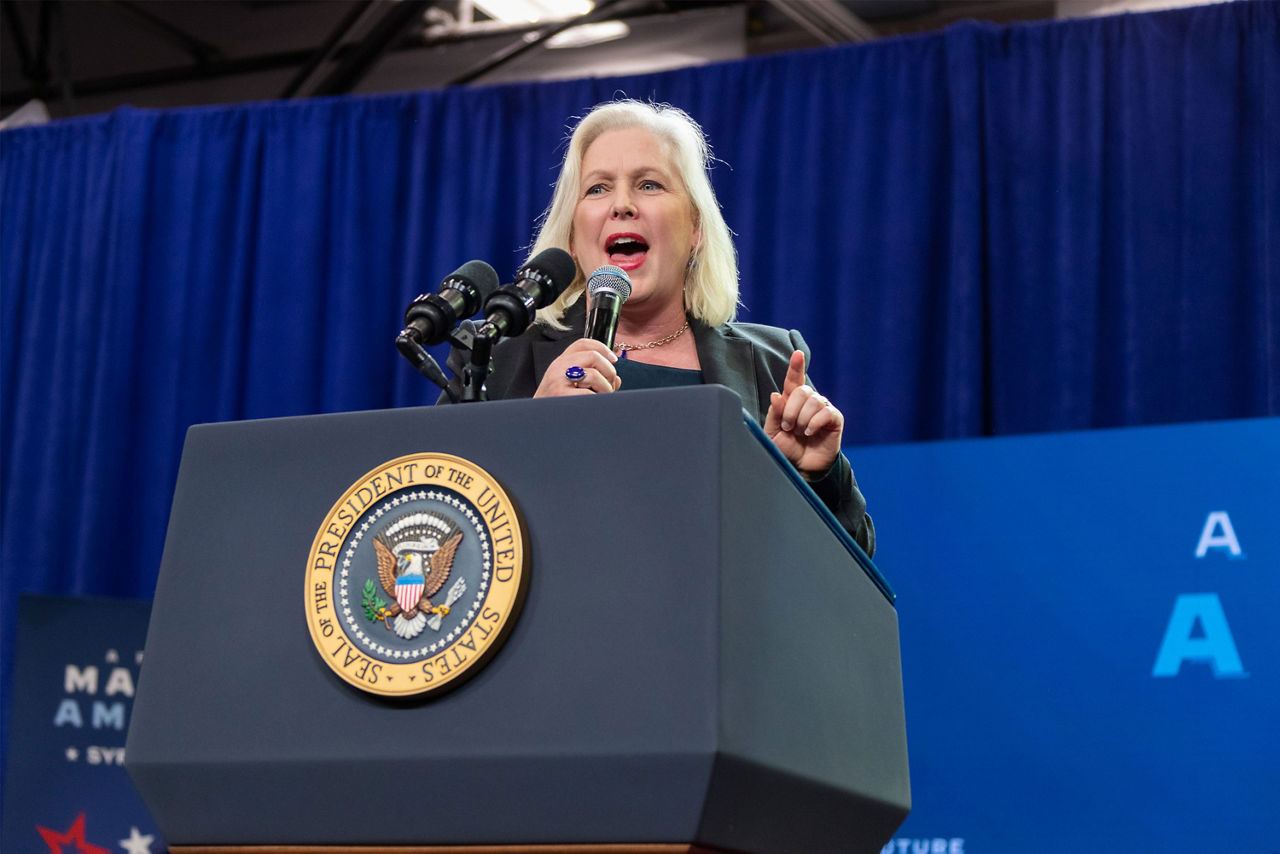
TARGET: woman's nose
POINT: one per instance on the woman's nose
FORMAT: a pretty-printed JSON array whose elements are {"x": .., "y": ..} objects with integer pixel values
[{"x": 622, "y": 206}]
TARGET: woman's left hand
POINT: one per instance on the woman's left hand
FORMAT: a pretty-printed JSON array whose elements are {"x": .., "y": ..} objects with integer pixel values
[{"x": 804, "y": 425}]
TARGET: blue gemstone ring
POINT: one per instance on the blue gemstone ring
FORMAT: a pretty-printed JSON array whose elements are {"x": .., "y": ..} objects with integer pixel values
[{"x": 575, "y": 374}]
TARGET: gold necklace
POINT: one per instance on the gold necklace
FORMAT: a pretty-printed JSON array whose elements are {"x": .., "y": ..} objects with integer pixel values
[{"x": 621, "y": 347}]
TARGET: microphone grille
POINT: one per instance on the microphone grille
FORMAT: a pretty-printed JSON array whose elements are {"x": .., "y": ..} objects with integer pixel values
[
  {"x": 558, "y": 268},
  {"x": 610, "y": 278},
  {"x": 480, "y": 276}
]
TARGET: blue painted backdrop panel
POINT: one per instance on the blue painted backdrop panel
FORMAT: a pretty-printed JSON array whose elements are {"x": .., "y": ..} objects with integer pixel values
[{"x": 1038, "y": 578}]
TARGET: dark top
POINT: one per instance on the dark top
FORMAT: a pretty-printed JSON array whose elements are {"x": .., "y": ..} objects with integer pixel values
[
  {"x": 638, "y": 375},
  {"x": 750, "y": 358}
]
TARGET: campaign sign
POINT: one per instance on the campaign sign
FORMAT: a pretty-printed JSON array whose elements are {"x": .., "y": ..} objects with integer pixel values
[
  {"x": 1089, "y": 647},
  {"x": 75, "y": 671}
]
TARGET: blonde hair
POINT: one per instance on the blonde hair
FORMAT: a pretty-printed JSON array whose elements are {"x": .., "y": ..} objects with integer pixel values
[{"x": 711, "y": 280}]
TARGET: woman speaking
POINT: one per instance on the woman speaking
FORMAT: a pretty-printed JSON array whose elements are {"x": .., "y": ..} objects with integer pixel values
[{"x": 634, "y": 192}]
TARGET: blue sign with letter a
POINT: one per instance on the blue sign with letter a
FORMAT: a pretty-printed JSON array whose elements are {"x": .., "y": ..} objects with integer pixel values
[{"x": 1089, "y": 647}]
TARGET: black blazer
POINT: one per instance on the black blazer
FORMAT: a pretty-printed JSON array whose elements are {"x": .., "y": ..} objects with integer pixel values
[{"x": 749, "y": 358}]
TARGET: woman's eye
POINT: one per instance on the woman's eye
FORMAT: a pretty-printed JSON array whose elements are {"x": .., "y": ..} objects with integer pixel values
[
  {"x": 650, "y": 185},
  {"x": 595, "y": 189}
]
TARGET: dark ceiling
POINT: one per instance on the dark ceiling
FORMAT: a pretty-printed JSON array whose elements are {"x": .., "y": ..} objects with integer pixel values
[{"x": 89, "y": 56}]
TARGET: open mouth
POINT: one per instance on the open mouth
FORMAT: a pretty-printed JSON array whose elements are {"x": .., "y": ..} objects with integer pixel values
[{"x": 626, "y": 250}]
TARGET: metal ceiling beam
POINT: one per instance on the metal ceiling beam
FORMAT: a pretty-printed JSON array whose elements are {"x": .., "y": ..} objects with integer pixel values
[
  {"x": 350, "y": 22},
  {"x": 42, "y": 41},
  {"x": 352, "y": 69},
  {"x": 826, "y": 20},
  {"x": 19, "y": 35},
  {"x": 168, "y": 76},
  {"x": 290, "y": 59},
  {"x": 53, "y": 40},
  {"x": 531, "y": 40},
  {"x": 201, "y": 51}
]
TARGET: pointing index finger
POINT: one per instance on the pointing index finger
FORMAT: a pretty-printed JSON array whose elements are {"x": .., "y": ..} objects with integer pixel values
[{"x": 795, "y": 373}]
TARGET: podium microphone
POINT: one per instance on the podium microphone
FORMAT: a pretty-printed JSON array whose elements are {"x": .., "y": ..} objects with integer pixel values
[
  {"x": 510, "y": 309},
  {"x": 608, "y": 287},
  {"x": 431, "y": 317}
]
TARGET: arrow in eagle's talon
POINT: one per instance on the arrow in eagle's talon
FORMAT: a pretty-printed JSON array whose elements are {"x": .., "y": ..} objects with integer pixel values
[{"x": 455, "y": 593}]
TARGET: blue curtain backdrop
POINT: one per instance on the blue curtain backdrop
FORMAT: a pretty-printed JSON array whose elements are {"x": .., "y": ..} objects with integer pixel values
[{"x": 986, "y": 231}]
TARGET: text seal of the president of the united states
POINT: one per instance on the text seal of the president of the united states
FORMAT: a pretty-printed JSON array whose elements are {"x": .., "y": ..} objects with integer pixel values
[{"x": 416, "y": 575}]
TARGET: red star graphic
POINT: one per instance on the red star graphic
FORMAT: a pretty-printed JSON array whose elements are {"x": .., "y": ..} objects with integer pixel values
[{"x": 73, "y": 836}]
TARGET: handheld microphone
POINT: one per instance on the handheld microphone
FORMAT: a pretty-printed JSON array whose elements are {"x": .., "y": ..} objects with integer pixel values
[
  {"x": 431, "y": 317},
  {"x": 608, "y": 287},
  {"x": 510, "y": 309}
]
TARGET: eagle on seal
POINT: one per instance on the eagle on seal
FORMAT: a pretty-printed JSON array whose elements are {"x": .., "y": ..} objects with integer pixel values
[{"x": 411, "y": 575}]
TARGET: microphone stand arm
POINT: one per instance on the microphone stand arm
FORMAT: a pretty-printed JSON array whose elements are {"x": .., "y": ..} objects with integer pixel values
[
  {"x": 411, "y": 348},
  {"x": 476, "y": 372}
]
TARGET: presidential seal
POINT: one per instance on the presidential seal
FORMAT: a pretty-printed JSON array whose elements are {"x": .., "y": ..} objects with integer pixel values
[{"x": 416, "y": 576}]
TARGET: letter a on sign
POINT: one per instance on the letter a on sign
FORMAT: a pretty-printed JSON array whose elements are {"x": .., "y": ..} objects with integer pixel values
[
  {"x": 1218, "y": 534},
  {"x": 1214, "y": 645}
]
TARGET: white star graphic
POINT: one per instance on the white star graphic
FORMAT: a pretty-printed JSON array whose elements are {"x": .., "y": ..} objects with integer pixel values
[
  {"x": 137, "y": 843},
  {"x": 72, "y": 754},
  {"x": 113, "y": 657}
]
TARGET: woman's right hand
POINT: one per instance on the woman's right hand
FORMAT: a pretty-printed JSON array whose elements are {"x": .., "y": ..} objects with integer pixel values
[{"x": 595, "y": 359}]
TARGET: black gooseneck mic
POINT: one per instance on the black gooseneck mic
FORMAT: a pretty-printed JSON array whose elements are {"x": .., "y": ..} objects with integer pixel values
[
  {"x": 608, "y": 287},
  {"x": 431, "y": 317},
  {"x": 511, "y": 308}
]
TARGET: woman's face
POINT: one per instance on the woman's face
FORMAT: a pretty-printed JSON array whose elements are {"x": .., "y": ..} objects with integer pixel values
[{"x": 633, "y": 212}]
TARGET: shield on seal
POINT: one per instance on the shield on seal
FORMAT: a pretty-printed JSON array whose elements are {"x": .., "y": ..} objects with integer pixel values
[{"x": 409, "y": 591}]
